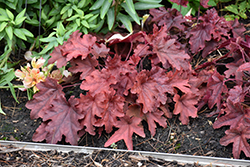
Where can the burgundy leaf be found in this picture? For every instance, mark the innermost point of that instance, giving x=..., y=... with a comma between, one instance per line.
x=85, y=66
x=185, y=106
x=98, y=81
x=64, y=116
x=217, y=86
x=92, y=107
x=153, y=117
x=145, y=87
x=168, y=50
x=200, y=34
x=204, y=3
x=50, y=90
x=75, y=46
x=237, y=136
x=127, y=126
x=99, y=50
x=235, y=115
x=114, y=109
x=180, y=2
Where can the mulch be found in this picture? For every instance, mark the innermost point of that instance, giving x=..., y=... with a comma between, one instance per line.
x=11, y=156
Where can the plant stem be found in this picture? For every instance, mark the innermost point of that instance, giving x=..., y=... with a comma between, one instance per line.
x=14, y=86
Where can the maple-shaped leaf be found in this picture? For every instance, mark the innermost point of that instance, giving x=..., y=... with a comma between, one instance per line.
x=238, y=29
x=98, y=81
x=125, y=83
x=127, y=126
x=156, y=116
x=204, y=3
x=217, y=86
x=142, y=50
x=64, y=116
x=168, y=50
x=234, y=70
x=236, y=95
x=147, y=92
x=117, y=67
x=170, y=17
x=92, y=107
x=85, y=66
x=199, y=35
x=99, y=50
x=160, y=77
x=49, y=90
x=75, y=46
x=237, y=136
x=177, y=81
x=40, y=133
x=57, y=56
x=185, y=106
x=235, y=115
x=114, y=109
x=180, y=2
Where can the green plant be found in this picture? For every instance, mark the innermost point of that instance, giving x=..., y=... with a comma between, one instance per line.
x=192, y=6
x=238, y=10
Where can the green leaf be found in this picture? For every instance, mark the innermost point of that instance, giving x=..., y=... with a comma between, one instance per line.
x=78, y=22
x=73, y=17
x=87, y=16
x=243, y=15
x=4, y=18
x=49, y=47
x=32, y=22
x=81, y=3
x=70, y=11
x=146, y=6
x=12, y=90
x=97, y=5
x=111, y=17
x=104, y=9
x=60, y=40
x=125, y=21
x=19, y=33
x=50, y=21
x=85, y=23
x=64, y=9
x=243, y=6
x=2, y=34
x=2, y=26
x=84, y=30
x=135, y=17
x=130, y=6
x=93, y=18
x=99, y=25
x=20, y=17
x=232, y=8
x=27, y=32
x=48, y=39
x=9, y=32
x=60, y=29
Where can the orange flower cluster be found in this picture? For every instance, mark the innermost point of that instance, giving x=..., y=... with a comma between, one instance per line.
x=32, y=76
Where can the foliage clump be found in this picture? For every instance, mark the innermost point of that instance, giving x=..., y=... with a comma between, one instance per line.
x=121, y=91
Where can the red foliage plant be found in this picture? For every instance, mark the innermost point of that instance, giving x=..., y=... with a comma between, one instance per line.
x=122, y=91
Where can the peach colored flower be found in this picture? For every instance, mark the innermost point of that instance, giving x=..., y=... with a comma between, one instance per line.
x=30, y=77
